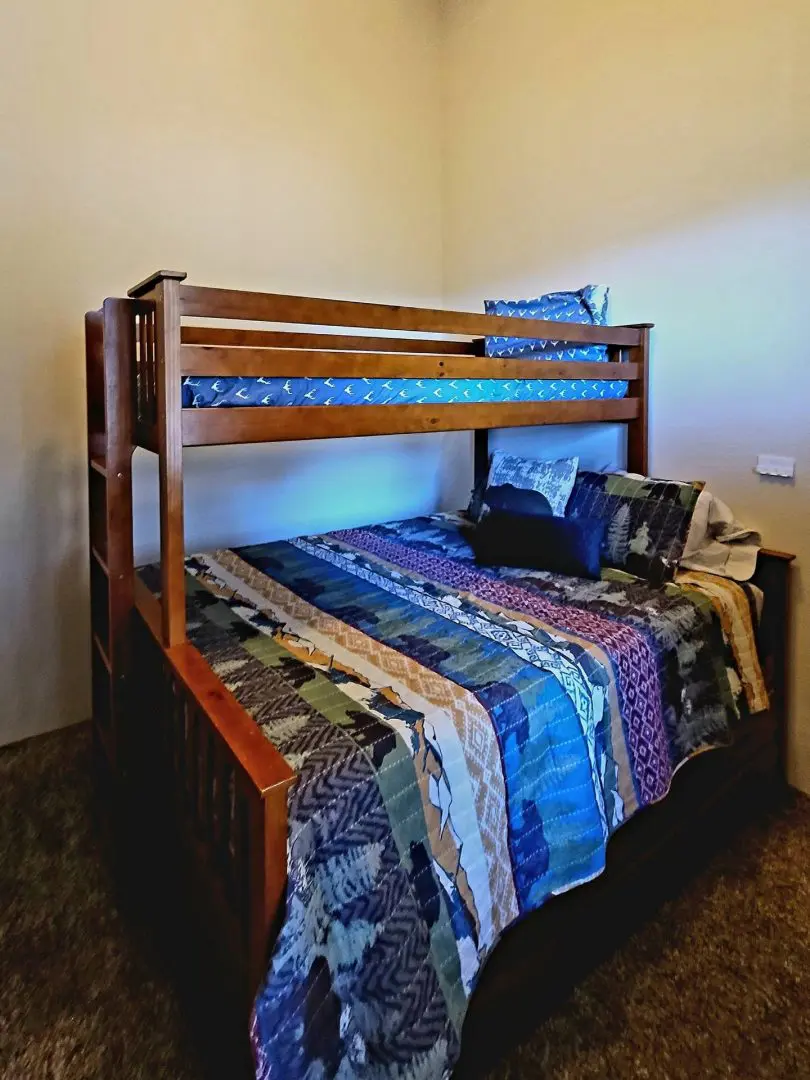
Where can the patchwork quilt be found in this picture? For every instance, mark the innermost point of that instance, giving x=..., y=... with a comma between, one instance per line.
x=466, y=740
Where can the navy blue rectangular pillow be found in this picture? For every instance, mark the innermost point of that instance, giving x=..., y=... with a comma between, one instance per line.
x=562, y=545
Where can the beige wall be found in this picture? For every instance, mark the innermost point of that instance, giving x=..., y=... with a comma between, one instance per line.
x=663, y=148
x=261, y=143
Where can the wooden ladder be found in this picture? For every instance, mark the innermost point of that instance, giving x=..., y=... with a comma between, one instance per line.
x=110, y=344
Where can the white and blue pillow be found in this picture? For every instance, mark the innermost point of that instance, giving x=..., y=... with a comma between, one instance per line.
x=527, y=485
x=588, y=306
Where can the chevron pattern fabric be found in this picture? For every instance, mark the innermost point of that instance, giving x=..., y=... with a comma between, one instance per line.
x=465, y=741
x=588, y=305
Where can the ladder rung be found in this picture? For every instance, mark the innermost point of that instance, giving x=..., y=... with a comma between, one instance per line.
x=100, y=560
x=98, y=464
x=102, y=652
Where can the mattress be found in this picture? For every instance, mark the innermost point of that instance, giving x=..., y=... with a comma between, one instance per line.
x=466, y=740
x=209, y=392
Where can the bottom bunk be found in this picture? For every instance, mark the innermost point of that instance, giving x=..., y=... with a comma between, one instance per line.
x=465, y=744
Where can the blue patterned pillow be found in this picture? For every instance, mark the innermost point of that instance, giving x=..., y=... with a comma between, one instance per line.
x=588, y=305
x=552, y=481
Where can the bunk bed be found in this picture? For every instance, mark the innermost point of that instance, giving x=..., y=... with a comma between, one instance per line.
x=178, y=754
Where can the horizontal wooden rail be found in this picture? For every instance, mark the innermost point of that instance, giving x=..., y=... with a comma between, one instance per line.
x=207, y=303
x=202, y=427
x=247, y=362
x=296, y=339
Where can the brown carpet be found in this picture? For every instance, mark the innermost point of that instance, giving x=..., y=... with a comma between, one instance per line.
x=717, y=985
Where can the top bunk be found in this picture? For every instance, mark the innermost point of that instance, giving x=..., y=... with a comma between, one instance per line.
x=360, y=369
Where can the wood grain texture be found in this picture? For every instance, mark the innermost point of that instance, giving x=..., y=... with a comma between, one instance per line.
x=268, y=877
x=638, y=433
x=213, y=360
x=203, y=427
x=119, y=348
x=273, y=307
x=149, y=284
x=110, y=366
x=292, y=339
x=170, y=461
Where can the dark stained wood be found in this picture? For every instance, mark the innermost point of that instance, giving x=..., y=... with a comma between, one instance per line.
x=773, y=575
x=638, y=441
x=203, y=427
x=772, y=553
x=110, y=362
x=291, y=339
x=268, y=877
x=250, y=363
x=149, y=284
x=480, y=456
x=170, y=459
x=147, y=437
x=272, y=307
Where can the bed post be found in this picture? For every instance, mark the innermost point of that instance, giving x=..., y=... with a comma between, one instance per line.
x=480, y=456
x=638, y=452
x=163, y=289
x=110, y=351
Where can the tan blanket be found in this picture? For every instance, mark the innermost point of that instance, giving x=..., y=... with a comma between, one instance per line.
x=731, y=602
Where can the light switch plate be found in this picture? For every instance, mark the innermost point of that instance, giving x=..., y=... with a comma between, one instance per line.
x=773, y=465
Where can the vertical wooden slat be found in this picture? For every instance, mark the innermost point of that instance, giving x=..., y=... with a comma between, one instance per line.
x=638, y=443
x=268, y=877
x=481, y=456
x=110, y=335
x=119, y=348
x=205, y=780
x=170, y=446
x=192, y=751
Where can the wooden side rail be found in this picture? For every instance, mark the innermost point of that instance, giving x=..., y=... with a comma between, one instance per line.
x=250, y=363
x=292, y=339
x=207, y=303
x=207, y=427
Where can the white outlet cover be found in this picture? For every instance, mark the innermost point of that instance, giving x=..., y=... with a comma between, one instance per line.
x=774, y=465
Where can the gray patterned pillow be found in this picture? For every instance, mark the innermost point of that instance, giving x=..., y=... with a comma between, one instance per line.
x=554, y=480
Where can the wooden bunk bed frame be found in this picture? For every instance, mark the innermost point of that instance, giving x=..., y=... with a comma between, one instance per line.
x=178, y=755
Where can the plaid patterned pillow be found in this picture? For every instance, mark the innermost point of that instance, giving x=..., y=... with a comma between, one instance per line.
x=648, y=520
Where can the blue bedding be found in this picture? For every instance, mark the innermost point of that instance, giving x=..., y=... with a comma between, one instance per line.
x=210, y=392
x=465, y=741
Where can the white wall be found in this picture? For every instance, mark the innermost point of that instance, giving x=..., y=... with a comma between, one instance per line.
x=662, y=148
x=267, y=144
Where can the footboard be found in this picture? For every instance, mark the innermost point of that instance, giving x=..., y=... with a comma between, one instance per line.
x=217, y=791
